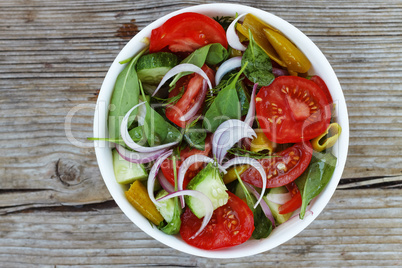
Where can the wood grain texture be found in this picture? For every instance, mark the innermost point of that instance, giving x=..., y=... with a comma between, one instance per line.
x=54, y=55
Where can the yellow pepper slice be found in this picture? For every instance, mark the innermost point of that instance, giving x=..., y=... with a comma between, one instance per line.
x=256, y=27
x=328, y=138
x=138, y=196
x=261, y=143
x=294, y=59
x=231, y=173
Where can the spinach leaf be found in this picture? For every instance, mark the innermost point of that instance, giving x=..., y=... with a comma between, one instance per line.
x=259, y=69
x=195, y=136
x=125, y=96
x=157, y=129
x=211, y=54
x=262, y=225
x=242, y=91
x=226, y=105
x=173, y=227
x=315, y=178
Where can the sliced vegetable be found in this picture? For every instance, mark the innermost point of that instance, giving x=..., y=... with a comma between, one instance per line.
x=164, y=183
x=293, y=58
x=137, y=157
x=282, y=169
x=138, y=197
x=232, y=37
x=230, y=225
x=251, y=111
x=292, y=109
x=262, y=144
x=315, y=178
x=226, y=67
x=328, y=138
x=294, y=203
x=274, y=207
x=125, y=171
x=186, y=32
x=151, y=68
x=231, y=173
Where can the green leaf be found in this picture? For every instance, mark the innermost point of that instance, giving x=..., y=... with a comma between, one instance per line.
x=211, y=54
x=225, y=106
x=125, y=96
x=195, y=136
x=315, y=178
x=259, y=68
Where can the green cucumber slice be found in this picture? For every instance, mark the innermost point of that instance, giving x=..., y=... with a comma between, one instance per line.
x=152, y=67
x=127, y=172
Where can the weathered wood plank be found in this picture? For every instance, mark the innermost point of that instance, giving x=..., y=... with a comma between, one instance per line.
x=357, y=228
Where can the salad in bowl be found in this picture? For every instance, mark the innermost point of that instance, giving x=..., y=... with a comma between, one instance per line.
x=221, y=130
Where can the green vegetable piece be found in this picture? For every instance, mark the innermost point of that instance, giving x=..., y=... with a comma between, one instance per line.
x=127, y=172
x=152, y=67
x=209, y=182
x=211, y=54
x=259, y=68
x=315, y=178
x=125, y=96
x=279, y=218
x=195, y=136
x=225, y=106
x=166, y=207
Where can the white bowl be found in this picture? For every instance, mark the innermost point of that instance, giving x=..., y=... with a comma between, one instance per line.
x=284, y=232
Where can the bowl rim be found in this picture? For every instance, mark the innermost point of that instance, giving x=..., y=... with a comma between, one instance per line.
x=283, y=232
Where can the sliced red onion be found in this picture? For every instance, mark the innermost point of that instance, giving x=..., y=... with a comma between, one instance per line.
x=229, y=133
x=137, y=157
x=251, y=110
x=181, y=68
x=279, y=72
x=220, y=130
x=264, y=205
x=164, y=182
x=152, y=175
x=186, y=164
x=226, y=67
x=132, y=144
x=232, y=37
x=209, y=209
x=198, y=103
x=256, y=165
x=279, y=199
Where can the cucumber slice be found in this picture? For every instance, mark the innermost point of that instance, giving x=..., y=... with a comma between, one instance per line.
x=166, y=208
x=209, y=182
x=152, y=67
x=279, y=218
x=127, y=172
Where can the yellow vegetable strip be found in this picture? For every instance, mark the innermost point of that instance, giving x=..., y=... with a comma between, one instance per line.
x=328, y=138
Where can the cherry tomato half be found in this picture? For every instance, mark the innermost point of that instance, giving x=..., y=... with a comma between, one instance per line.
x=287, y=166
x=186, y=32
x=167, y=164
x=230, y=225
x=194, y=94
x=292, y=109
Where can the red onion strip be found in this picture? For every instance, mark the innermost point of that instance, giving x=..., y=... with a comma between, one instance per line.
x=226, y=67
x=264, y=205
x=152, y=175
x=251, y=110
x=209, y=209
x=132, y=144
x=187, y=163
x=137, y=157
x=256, y=165
x=164, y=183
x=234, y=131
x=198, y=103
x=184, y=67
x=232, y=37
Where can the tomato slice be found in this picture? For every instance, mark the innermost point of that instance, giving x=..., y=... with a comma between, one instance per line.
x=194, y=94
x=167, y=164
x=292, y=109
x=186, y=32
x=287, y=166
x=230, y=225
x=293, y=203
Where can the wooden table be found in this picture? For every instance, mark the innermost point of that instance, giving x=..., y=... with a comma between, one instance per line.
x=55, y=209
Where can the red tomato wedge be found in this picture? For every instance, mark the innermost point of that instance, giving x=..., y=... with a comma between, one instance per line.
x=195, y=91
x=292, y=109
x=230, y=225
x=283, y=169
x=187, y=32
x=167, y=165
x=318, y=80
x=293, y=203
